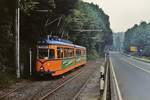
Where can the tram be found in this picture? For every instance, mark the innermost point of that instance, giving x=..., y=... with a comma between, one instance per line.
x=57, y=56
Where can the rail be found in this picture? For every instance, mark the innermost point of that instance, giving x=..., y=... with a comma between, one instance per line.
x=58, y=87
x=78, y=93
x=12, y=91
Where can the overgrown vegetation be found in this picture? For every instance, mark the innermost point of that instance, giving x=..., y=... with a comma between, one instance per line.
x=90, y=17
x=69, y=15
x=7, y=40
x=138, y=36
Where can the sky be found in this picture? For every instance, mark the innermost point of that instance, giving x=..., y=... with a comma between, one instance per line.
x=124, y=13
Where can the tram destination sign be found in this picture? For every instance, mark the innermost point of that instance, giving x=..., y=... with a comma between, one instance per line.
x=43, y=47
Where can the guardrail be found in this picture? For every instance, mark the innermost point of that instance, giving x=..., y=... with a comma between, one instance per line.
x=104, y=79
x=109, y=89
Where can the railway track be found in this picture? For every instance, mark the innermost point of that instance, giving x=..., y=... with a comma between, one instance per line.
x=63, y=85
x=49, y=92
x=7, y=95
x=12, y=91
x=78, y=93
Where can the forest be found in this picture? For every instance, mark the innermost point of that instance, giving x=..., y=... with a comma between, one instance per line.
x=138, y=36
x=50, y=17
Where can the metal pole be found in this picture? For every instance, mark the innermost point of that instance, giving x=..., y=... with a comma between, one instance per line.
x=105, y=57
x=18, y=39
x=30, y=52
x=59, y=21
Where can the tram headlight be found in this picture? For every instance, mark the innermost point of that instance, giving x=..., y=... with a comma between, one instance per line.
x=41, y=68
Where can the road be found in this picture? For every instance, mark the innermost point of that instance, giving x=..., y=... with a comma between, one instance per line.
x=133, y=77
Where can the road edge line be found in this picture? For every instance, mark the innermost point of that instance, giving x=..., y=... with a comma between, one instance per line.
x=115, y=79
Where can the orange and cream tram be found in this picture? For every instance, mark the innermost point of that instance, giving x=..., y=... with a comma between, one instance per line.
x=56, y=56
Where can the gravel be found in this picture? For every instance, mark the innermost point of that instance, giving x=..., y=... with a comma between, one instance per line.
x=91, y=90
x=33, y=90
x=72, y=88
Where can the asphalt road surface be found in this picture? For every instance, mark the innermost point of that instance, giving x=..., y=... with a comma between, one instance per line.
x=133, y=77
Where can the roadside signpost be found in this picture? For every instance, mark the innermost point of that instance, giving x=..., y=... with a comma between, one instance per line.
x=133, y=49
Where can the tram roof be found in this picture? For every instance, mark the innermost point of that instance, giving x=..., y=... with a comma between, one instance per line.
x=77, y=46
x=58, y=41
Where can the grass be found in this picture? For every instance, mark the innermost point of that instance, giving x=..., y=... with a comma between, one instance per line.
x=143, y=58
x=146, y=58
x=93, y=55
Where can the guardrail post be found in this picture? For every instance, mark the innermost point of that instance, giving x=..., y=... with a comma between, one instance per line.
x=102, y=76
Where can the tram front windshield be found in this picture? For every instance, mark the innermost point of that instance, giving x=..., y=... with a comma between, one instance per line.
x=43, y=53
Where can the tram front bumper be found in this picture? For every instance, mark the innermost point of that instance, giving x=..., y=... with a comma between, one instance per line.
x=45, y=73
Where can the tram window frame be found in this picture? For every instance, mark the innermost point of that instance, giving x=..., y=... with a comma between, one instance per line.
x=37, y=53
x=52, y=57
x=60, y=56
x=84, y=52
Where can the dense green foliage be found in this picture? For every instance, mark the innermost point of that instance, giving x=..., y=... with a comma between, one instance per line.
x=7, y=20
x=90, y=17
x=138, y=36
x=7, y=41
x=118, y=39
x=74, y=14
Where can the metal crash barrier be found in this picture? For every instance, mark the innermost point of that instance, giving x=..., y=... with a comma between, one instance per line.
x=109, y=89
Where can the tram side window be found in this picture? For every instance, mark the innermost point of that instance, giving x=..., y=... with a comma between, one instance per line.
x=43, y=53
x=59, y=52
x=78, y=52
x=84, y=53
x=51, y=54
x=71, y=53
x=66, y=53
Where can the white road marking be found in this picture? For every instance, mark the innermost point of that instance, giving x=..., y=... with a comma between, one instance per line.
x=133, y=59
x=115, y=79
x=136, y=66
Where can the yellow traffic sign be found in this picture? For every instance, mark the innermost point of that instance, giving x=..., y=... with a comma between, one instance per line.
x=133, y=49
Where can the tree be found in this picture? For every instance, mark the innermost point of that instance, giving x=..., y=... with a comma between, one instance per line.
x=89, y=16
x=74, y=14
x=138, y=36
